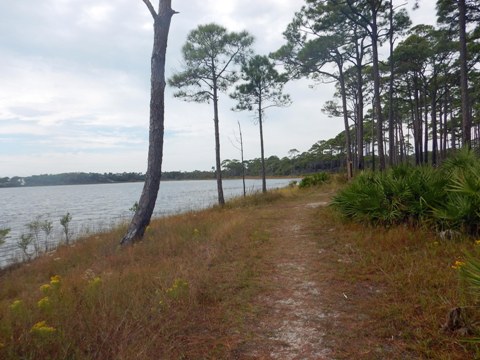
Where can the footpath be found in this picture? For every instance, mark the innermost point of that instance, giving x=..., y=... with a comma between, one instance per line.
x=307, y=311
x=292, y=316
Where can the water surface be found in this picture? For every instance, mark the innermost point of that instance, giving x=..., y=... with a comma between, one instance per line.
x=99, y=207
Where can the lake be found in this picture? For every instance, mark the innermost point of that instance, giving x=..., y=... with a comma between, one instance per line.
x=97, y=208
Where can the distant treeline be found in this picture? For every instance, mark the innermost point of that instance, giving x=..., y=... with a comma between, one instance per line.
x=325, y=155
x=296, y=165
x=70, y=179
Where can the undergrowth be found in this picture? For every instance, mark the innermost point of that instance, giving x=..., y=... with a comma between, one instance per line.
x=314, y=180
x=446, y=199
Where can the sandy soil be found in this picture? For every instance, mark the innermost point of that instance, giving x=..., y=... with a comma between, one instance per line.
x=291, y=323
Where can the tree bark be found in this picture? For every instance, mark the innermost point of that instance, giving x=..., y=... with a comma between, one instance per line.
x=262, y=152
x=243, y=161
x=146, y=204
x=221, y=199
x=376, y=88
x=466, y=117
x=434, y=121
x=391, y=131
x=445, y=123
x=425, y=143
x=345, y=121
x=359, y=67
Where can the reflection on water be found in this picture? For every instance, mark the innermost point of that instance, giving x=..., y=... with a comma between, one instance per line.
x=96, y=208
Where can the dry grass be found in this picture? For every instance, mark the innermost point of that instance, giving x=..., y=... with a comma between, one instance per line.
x=188, y=289
x=398, y=287
x=181, y=293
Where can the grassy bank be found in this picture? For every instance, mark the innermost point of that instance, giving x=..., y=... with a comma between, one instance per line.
x=182, y=292
x=394, y=289
x=189, y=289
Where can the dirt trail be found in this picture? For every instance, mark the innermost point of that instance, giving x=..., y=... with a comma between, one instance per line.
x=291, y=324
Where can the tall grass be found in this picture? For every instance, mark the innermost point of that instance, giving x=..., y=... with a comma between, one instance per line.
x=181, y=293
x=447, y=198
x=400, y=286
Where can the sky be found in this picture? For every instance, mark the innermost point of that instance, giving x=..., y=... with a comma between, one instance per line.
x=75, y=87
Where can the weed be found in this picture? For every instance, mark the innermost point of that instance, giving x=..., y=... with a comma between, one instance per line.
x=4, y=235
x=65, y=222
x=24, y=244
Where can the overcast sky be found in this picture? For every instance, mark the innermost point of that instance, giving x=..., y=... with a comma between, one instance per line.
x=74, y=87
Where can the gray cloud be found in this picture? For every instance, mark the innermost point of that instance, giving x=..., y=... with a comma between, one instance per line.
x=75, y=86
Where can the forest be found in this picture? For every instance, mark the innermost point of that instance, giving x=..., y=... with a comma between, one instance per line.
x=406, y=94
x=413, y=104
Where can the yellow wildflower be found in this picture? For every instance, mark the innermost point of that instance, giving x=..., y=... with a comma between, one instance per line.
x=41, y=328
x=55, y=281
x=45, y=288
x=44, y=303
x=16, y=305
x=477, y=242
x=96, y=281
x=458, y=264
x=178, y=289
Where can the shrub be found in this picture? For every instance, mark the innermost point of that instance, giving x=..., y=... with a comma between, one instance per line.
x=398, y=195
x=314, y=180
x=3, y=235
x=445, y=199
x=460, y=209
x=65, y=222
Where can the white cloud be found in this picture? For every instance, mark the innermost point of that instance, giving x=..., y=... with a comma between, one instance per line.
x=54, y=92
x=78, y=161
x=96, y=15
x=75, y=86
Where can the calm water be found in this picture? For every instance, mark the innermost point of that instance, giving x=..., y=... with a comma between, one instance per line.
x=96, y=208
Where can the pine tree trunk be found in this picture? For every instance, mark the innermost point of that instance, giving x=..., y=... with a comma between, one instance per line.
x=345, y=122
x=146, y=204
x=221, y=200
x=391, y=130
x=262, y=152
x=466, y=116
x=434, y=121
x=425, y=143
x=378, y=100
x=361, y=161
x=243, y=162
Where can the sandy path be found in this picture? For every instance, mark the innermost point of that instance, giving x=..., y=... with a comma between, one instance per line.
x=291, y=323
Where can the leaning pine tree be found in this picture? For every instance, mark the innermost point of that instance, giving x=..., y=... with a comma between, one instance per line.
x=146, y=204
